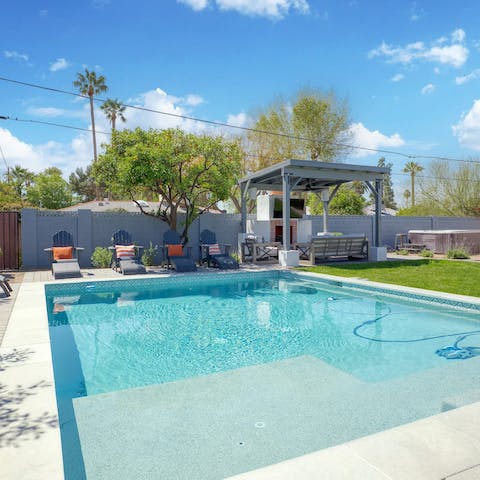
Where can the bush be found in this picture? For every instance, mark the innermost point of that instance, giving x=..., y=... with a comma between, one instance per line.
x=149, y=254
x=402, y=252
x=458, y=253
x=426, y=253
x=101, y=257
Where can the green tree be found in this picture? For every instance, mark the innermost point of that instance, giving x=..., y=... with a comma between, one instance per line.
x=89, y=84
x=311, y=125
x=20, y=179
x=190, y=173
x=113, y=110
x=50, y=190
x=345, y=202
x=453, y=190
x=412, y=168
x=9, y=199
x=406, y=196
x=83, y=184
x=388, y=198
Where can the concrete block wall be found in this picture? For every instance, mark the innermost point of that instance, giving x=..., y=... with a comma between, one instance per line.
x=92, y=229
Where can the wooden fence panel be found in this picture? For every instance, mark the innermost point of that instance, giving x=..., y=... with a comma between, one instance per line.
x=10, y=240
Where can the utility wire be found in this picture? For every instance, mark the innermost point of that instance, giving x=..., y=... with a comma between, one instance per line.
x=41, y=122
x=227, y=125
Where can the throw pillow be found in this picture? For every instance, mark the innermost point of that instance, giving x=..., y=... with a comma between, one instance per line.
x=62, y=253
x=124, y=252
x=175, y=250
x=214, y=249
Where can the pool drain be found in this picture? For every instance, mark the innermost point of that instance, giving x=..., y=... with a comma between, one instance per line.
x=259, y=425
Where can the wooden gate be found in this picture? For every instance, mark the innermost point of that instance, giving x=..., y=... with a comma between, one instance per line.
x=10, y=240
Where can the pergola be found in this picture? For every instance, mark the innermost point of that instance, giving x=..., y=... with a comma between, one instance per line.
x=312, y=176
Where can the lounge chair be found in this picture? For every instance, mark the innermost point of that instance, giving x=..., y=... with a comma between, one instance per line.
x=64, y=256
x=5, y=286
x=214, y=253
x=125, y=254
x=175, y=254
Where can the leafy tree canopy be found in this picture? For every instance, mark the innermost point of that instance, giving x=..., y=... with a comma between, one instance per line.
x=345, y=202
x=83, y=184
x=50, y=190
x=187, y=172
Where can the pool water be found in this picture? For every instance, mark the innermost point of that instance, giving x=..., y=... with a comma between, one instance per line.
x=109, y=337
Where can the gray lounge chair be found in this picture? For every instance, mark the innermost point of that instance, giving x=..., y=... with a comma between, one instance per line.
x=223, y=260
x=68, y=267
x=130, y=266
x=5, y=286
x=181, y=263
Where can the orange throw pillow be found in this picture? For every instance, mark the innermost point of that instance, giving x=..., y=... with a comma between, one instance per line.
x=62, y=253
x=175, y=250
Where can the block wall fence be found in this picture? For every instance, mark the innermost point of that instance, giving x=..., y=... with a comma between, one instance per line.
x=95, y=229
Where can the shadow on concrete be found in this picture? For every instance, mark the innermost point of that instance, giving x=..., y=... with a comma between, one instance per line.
x=16, y=424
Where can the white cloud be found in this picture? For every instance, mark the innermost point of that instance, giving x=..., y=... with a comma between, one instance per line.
x=274, y=9
x=427, y=89
x=416, y=13
x=193, y=100
x=197, y=5
x=458, y=35
x=466, y=78
x=46, y=111
x=59, y=64
x=361, y=136
x=398, y=77
x=15, y=55
x=436, y=71
x=455, y=54
x=67, y=157
x=239, y=120
x=467, y=130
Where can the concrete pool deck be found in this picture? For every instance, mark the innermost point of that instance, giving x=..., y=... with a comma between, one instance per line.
x=446, y=445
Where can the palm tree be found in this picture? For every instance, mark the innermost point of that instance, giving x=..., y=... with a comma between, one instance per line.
x=113, y=109
x=20, y=178
x=89, y=84
x=413, y=168
x=407, y=195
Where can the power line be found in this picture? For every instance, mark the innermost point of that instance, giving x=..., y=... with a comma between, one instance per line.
x=246, y=154
x=61, y=125
x=247, y=129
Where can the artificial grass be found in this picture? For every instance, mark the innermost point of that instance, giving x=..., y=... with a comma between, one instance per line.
x=458, y=277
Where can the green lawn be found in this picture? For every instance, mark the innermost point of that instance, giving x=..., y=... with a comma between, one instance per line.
x=442, y=275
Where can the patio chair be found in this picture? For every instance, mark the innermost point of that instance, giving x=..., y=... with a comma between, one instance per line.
x=214, y=253
x=64, y=256
x=5, y=286
x=175, y=254
x=125, y=254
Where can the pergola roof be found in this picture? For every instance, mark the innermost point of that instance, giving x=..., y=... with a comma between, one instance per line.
x=311, y=175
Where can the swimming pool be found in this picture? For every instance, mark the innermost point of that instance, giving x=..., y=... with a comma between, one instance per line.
x=241, y=370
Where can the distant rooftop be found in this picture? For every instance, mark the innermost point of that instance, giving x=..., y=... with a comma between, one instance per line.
x=129, y=206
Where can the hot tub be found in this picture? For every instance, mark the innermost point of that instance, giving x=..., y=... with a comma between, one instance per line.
x=441, y=241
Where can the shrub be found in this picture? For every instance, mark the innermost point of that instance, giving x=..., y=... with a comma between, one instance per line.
x=458, y=253
x=402, y=252
x=148, y=257
x=101, y=257
x=426, y=253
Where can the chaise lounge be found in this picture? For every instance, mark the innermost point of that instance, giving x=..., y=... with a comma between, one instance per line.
x=125, y=254
x=174, y=253
x=211, y=252
x=64, y=256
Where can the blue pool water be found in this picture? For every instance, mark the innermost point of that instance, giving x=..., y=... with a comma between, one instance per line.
x=113, y=336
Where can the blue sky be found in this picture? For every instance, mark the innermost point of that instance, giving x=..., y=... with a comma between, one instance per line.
x=409, y=70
